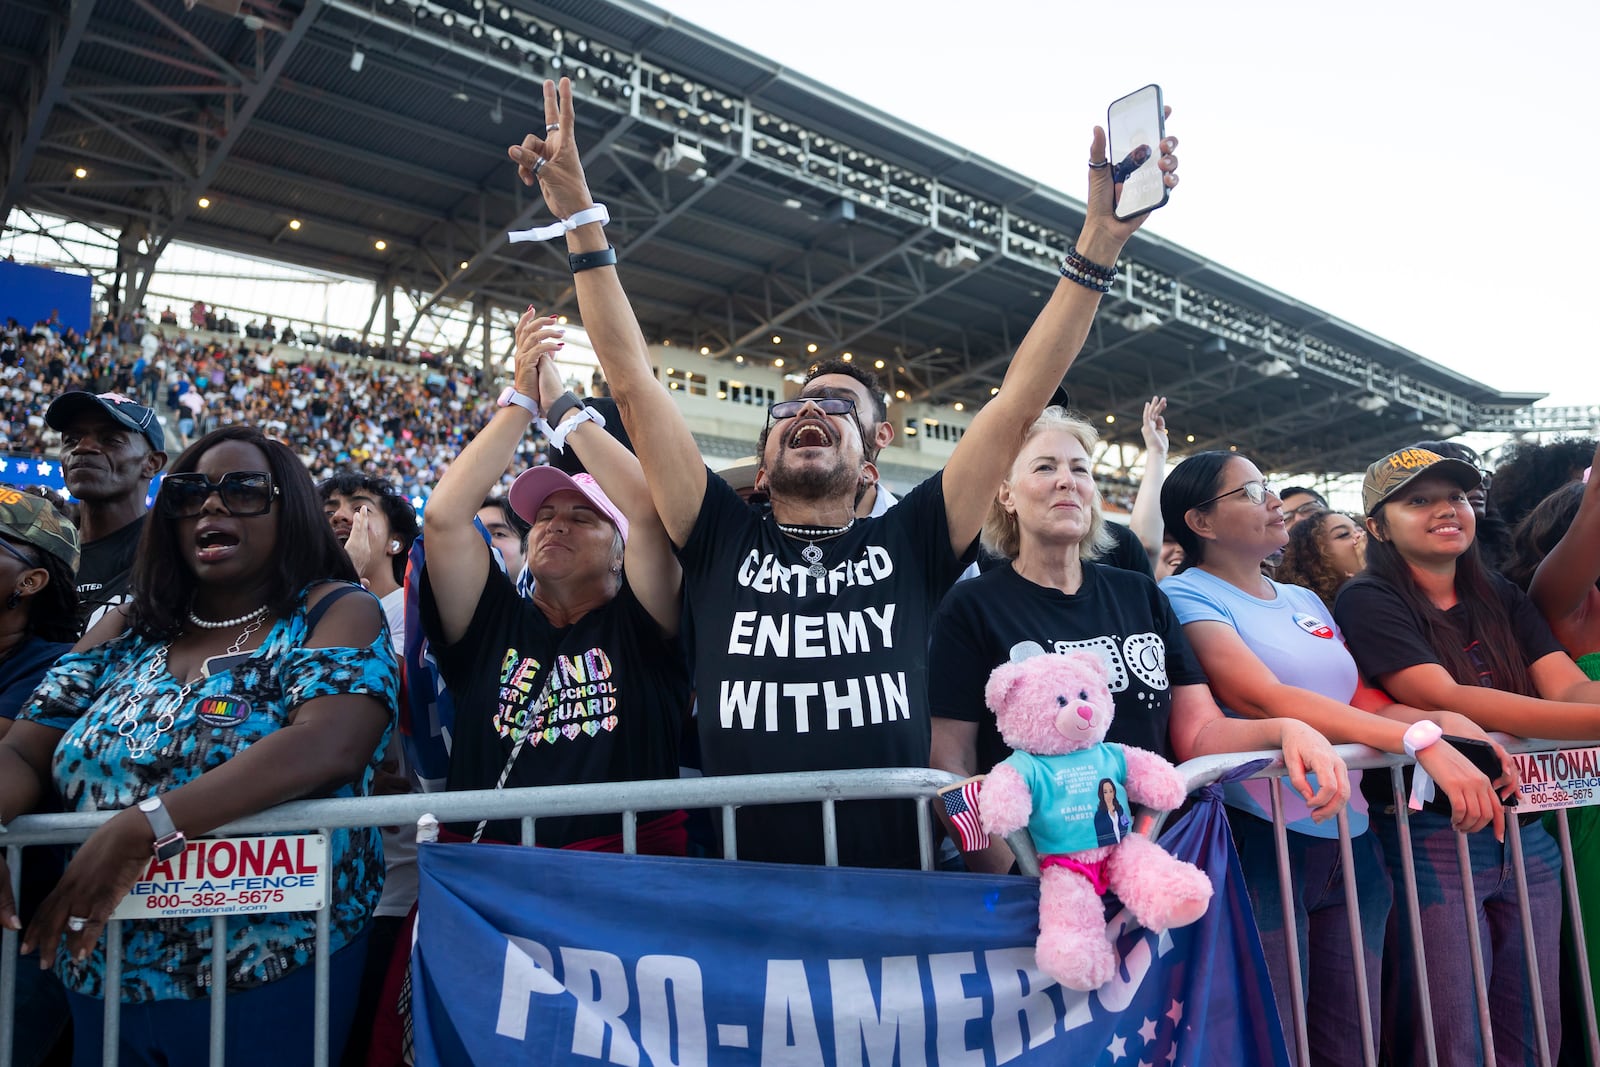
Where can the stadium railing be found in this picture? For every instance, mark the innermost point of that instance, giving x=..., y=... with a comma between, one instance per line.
x=728, y=794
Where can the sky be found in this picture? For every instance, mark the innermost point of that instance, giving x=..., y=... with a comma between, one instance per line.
x=1417, y=146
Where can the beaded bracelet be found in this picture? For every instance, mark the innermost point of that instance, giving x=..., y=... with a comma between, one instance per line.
x=1073, y=274
x=1085, y=265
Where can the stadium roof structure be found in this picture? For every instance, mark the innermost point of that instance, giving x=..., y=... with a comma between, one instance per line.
x=747, y=201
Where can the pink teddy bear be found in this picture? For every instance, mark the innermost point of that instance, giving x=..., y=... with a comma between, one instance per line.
x=1066, y=785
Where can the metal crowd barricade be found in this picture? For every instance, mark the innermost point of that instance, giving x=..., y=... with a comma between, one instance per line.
x=528, y=805
x=1206, y=770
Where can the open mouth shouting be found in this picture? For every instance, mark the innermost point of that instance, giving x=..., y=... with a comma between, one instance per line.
x=214, y=543
x=810, y=433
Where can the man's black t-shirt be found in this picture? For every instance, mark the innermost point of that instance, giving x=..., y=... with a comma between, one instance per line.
x=796, y=673
x=1116, y=614
x=104, y=570
x=602, y=700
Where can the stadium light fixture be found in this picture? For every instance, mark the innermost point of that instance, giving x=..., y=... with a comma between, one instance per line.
x=294, y=224
x=957, y=257
x=496, y=114
x=1143, y=319
x=449, y=19
x=357, y=57
x=1276, y=367
x=380, y=244
x=1372, y=403
x=80, y=173
x=204, y=201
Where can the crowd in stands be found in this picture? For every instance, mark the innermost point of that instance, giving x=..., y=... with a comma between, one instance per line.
x=401, y=424
x=243, y=643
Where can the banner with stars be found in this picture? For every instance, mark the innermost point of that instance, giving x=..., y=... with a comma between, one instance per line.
x=551, y=957
x=21, y=469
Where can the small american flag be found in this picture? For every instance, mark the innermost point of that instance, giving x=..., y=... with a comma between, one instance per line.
x=961, y=808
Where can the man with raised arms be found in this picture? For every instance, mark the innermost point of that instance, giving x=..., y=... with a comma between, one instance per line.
x=810, y=624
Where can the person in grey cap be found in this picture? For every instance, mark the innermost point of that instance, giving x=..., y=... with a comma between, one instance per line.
x=111, y=447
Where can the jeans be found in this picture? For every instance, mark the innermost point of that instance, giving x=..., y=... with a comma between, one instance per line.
x=1322, y=929
x=1450, y=990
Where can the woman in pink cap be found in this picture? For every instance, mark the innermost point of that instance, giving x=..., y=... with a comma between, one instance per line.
x=586, y=679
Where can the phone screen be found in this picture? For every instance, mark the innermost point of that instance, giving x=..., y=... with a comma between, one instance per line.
x=1135, y=126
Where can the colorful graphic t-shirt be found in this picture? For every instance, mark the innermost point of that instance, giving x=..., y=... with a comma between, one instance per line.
x=223, y=715
x=1069, y=807
x=802, y=673
x=602, y=700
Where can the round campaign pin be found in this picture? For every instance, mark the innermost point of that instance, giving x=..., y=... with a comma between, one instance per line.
x=1312, y=625
x=226, y=710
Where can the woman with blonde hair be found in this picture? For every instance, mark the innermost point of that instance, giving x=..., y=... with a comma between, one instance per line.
x=1046, y=521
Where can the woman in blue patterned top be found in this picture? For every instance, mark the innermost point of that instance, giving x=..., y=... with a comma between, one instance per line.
x=240, y=676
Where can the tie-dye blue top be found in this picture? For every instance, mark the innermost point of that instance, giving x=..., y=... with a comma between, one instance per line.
x=170, y=959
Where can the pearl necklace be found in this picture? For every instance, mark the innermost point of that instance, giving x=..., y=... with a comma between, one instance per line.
x=812, y=534
x=224, y=624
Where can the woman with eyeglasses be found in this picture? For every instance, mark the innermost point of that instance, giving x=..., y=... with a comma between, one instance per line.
x=1270, y=649
x=1325, y=550
x=1436, y=629
x=249, y=669
x=1047, y=521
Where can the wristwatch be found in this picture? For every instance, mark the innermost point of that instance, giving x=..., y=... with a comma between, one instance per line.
x=509, y=396
x=1423, y=733
x=169, y=839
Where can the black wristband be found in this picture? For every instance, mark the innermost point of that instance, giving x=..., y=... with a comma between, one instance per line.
x=578, y=261
x=563, y=404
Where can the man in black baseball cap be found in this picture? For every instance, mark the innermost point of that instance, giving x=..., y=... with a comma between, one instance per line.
x=111, y=447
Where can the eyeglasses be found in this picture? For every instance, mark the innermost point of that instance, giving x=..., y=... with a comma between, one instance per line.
x=1255, y=491
x=1304, y=509
x=9, y=547
x=243, y=493
x=828, y=405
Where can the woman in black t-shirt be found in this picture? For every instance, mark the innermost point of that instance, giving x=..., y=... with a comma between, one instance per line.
x=1437, y=630
x=1047, y=521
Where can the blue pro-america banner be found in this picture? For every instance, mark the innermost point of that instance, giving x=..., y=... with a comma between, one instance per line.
x=541, y=956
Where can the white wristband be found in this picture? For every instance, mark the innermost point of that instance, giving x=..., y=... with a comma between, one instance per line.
x=595, y=213
x=558, y=434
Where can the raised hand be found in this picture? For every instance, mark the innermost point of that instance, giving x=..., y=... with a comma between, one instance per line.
x=1103, y=233
x=552, y=159
x=1154, y=426
x=538, y=337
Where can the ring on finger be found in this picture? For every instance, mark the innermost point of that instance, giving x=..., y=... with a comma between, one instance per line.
x=538, y=165
x=1102, y=165
x=552, y=127
x=75, y=924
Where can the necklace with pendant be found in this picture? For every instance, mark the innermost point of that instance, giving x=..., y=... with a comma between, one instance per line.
x=133, y=714
x=812, y=554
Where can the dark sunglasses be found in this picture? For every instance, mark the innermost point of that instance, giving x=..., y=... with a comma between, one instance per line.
x=243, y=493
x=1255, y=491
x=828, y=405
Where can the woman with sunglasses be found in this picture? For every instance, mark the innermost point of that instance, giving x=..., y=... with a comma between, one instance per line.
x=1270, y=650
x=1436, y=629
x=1325, y=550
x=1047, y=521
x=247, y=670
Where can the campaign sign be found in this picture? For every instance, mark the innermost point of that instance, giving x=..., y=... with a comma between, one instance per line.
x=1565, y=778
x=233, y=876
x=568, y=958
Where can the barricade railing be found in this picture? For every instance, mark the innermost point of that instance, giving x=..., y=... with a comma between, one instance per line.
x=1206, y=770
x=827, y=788
x=528, y=806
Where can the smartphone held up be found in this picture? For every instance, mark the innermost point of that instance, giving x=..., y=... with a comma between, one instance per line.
x=1135, y=126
